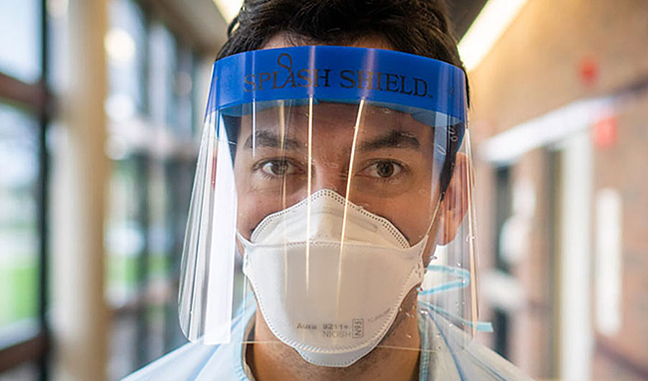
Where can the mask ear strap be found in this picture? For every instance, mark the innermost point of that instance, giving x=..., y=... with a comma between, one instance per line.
x=435, y=215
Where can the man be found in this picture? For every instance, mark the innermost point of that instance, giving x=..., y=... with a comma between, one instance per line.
x=336, y=168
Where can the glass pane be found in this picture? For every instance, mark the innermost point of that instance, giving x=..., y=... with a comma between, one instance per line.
x=178, y=183
x=24, y=372
x=126, y=49
x=159, y=232
x=202, y=71
x=125, y=237
x=183, y=93
x=57, y=49
x=20, y=40
x=123, y=347
x=158, y=287
x=162, y=69
x=18, y=216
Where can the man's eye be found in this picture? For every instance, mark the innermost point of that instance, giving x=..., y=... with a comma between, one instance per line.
x=278, y=168
x=383, y=169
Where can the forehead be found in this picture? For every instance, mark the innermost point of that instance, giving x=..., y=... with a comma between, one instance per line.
x=334, y=118
x=285, y=40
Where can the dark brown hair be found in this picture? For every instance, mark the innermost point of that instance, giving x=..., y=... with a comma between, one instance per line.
x=412, y=26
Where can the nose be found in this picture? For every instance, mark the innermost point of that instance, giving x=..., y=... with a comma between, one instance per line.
x=329, y=176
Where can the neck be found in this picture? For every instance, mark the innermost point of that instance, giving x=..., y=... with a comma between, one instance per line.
x=396, y=358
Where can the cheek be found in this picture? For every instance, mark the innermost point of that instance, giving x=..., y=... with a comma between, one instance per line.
x=251, y=207
x=254, y=205
x=412, y=214
x=250, y=213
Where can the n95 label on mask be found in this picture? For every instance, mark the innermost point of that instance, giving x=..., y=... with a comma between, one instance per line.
x=355, y=330
x=358, y=328
x=343, y=331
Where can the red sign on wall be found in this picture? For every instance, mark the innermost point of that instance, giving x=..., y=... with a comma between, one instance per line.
x=606, y=132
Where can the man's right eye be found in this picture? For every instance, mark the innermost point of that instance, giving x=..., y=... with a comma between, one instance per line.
x=276, y=168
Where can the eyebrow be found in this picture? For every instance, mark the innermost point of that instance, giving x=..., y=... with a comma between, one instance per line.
x=394, y=139
x=269, y=139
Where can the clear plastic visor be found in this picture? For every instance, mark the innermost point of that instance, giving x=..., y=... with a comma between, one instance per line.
x=331, y=228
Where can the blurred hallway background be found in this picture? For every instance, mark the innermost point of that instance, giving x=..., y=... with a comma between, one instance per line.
x=101, y=106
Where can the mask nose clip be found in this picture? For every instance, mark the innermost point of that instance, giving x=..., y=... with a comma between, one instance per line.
x=329, y=177
x=326, y=216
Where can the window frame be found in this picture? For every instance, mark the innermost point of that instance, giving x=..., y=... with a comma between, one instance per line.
x=36, y=98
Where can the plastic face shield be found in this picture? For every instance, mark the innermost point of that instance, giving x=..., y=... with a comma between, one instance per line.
x=339, y=181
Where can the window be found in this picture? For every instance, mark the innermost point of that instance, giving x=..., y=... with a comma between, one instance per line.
x=20, y=39
x=153, y=145
x=19, y=236
x=23, y=209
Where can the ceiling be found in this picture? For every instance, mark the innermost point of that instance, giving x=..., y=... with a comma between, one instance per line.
x=463, y=13
x=200, y=22
x=197, y=21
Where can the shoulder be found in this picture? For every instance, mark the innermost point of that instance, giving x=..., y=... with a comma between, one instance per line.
x=197, y=361
x=182, y=364
x=473, y=361
x=483, y=361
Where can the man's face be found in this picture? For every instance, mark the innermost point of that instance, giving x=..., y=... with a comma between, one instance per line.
x=384, y=165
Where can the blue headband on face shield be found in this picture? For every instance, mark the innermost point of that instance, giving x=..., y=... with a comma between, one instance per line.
x=432, y=91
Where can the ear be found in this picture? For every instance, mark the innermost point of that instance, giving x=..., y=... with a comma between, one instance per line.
x=454, y=205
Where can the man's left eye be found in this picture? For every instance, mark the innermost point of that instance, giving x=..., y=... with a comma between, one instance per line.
x=382, y=169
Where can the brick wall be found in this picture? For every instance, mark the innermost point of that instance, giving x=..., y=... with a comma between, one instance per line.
x=556, y=53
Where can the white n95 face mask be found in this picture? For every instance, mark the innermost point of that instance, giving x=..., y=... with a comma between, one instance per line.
x=329, y=277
